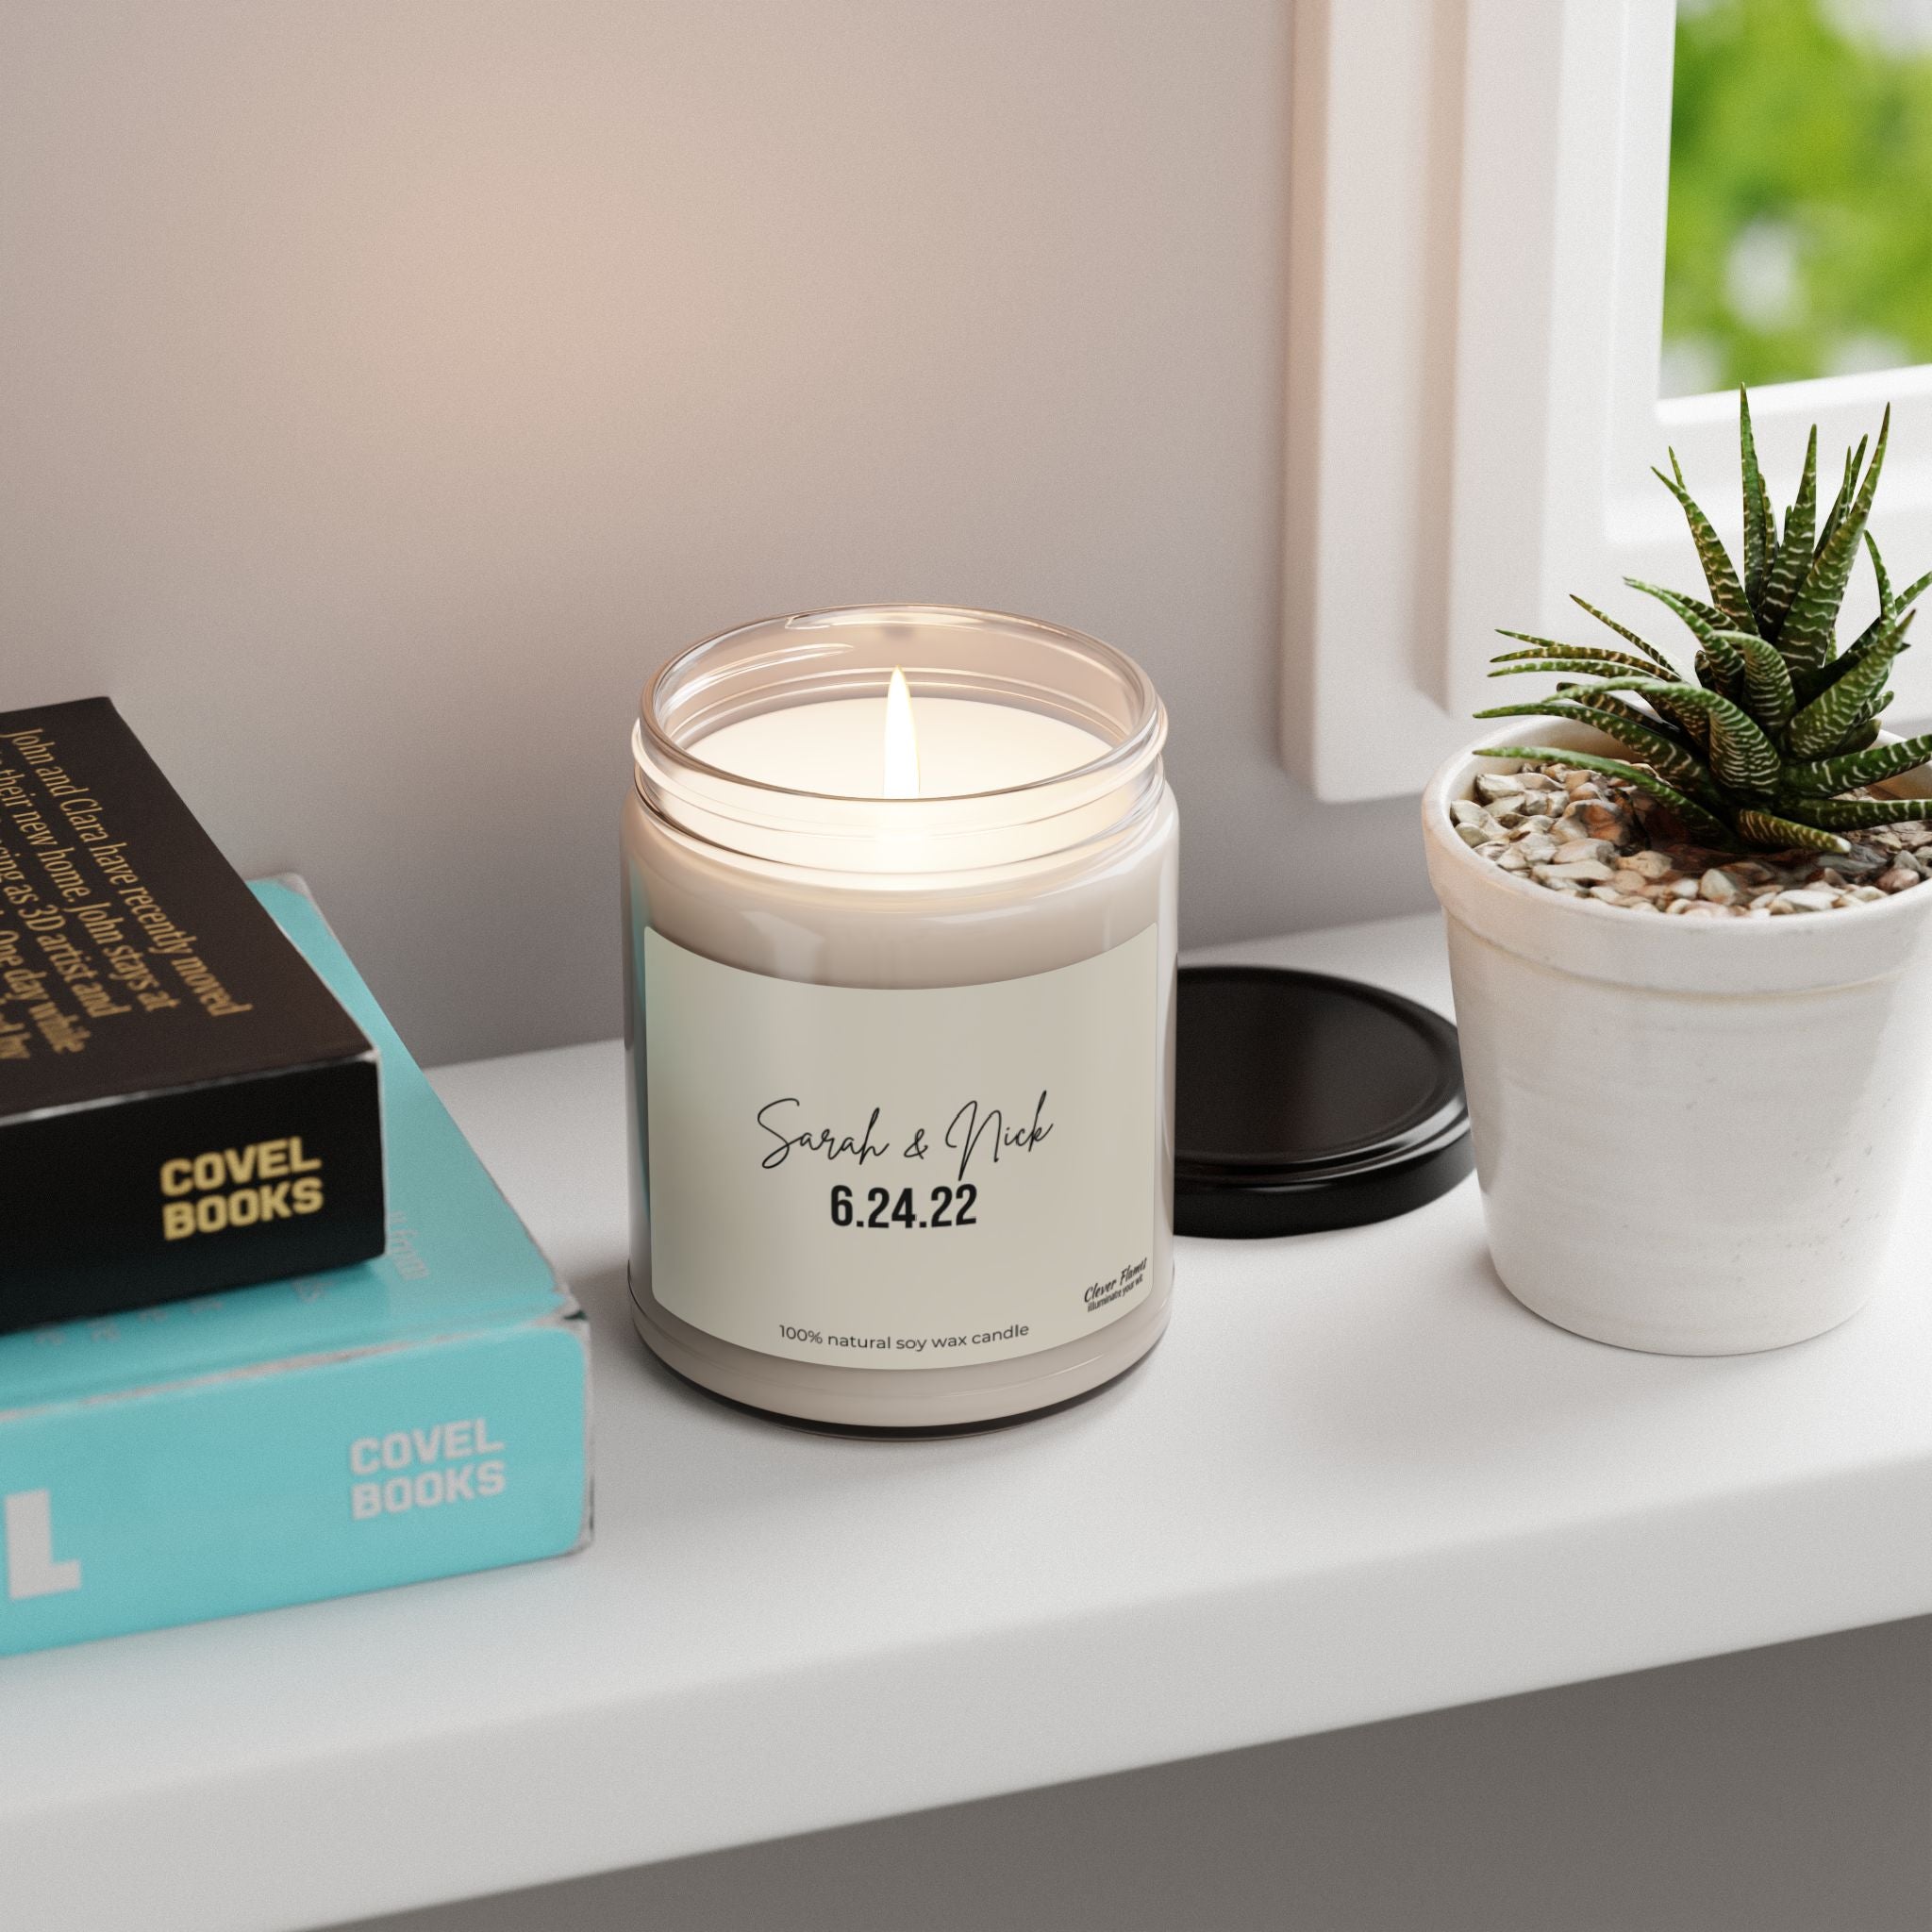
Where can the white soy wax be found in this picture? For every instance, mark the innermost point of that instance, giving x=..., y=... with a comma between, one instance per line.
x=900, y=955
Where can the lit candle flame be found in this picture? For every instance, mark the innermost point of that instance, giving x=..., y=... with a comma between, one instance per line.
x=902, y=741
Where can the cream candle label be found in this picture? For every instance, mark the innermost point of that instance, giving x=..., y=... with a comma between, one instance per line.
x=901, y=1178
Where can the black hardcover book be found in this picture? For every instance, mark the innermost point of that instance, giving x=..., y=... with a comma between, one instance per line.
x=184, y=1106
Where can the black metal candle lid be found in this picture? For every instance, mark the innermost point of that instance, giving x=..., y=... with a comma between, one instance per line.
x=1308, y=1102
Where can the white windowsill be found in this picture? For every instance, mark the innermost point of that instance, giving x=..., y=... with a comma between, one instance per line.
x=1355, y=1481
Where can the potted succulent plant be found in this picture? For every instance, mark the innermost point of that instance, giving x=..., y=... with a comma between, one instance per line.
x=1692, y=966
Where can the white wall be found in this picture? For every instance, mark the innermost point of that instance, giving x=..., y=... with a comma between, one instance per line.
x=386, y=390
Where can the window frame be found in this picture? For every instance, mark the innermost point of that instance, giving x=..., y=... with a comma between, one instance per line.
x=1477, y=205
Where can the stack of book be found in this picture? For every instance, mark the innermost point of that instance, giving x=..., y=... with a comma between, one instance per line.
x=197, y=1092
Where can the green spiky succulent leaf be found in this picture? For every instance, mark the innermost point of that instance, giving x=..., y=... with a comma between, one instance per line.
x=1761, y=530
x=1879, y=573
x=1793, y=556
x=1630, y=637
x=1726, y=592
x=1765, y=828
x=1854, y=460
x=1663, y=754
x=1516, y=663
x=1827, y=778
x=1845, y=703
x=1768, y=692
x=1861, y=735
x=1760, y=750
x=1904, y=599
x=1744, y=760
x=1806, y=636
x=1717, y=649
x=1696, y=820
x=1541, y=648
x=1849, y=814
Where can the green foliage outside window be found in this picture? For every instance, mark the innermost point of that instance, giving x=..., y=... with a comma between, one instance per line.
x=1801, y=190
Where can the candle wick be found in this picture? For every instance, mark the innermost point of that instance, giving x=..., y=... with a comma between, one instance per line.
x=902, y=740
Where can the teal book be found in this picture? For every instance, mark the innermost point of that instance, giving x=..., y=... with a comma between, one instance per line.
x=419, y=1415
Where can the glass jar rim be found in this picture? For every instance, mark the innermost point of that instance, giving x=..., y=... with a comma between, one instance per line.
x=1126, y=757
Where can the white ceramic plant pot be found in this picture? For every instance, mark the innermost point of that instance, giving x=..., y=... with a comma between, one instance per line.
x=1690, y=1134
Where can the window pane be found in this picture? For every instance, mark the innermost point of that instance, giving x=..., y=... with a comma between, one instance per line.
x=1801, y=192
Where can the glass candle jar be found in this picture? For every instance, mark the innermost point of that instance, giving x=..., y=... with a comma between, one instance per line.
x=899, y=923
